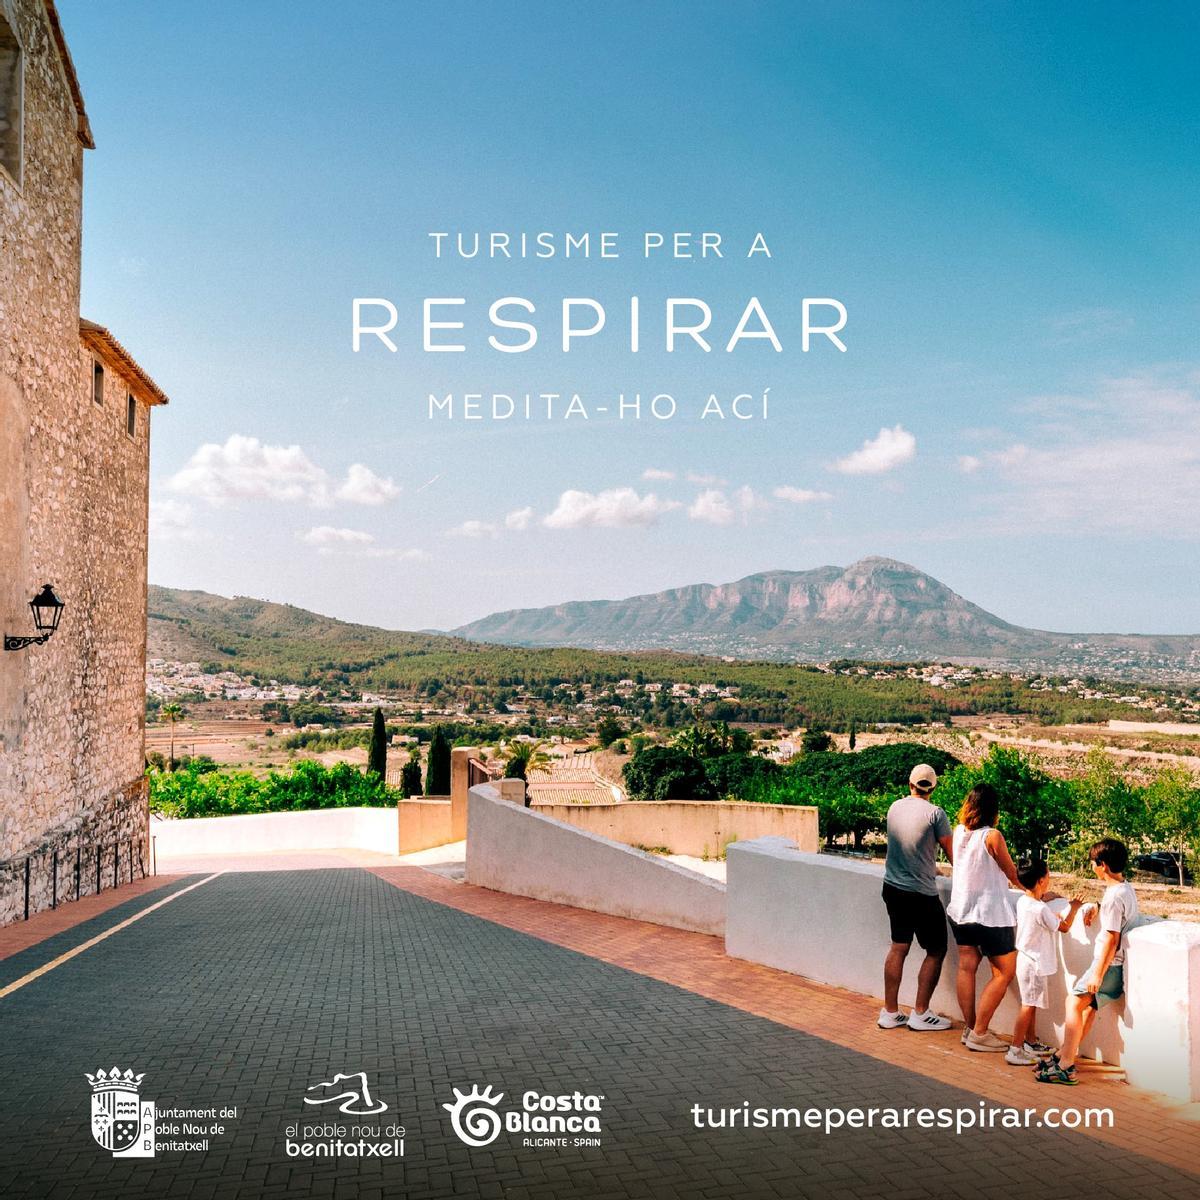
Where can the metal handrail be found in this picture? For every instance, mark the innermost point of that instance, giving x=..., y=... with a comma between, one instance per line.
x=135, y=851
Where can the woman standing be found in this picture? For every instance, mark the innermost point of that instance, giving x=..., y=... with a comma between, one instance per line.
x=981, y=914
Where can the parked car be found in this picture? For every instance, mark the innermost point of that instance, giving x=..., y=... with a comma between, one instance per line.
x=1162, y=862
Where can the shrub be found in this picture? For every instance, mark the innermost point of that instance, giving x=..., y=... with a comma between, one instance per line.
x=192, y=792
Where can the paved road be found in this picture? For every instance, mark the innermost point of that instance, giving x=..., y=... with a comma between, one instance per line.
x=254, y=987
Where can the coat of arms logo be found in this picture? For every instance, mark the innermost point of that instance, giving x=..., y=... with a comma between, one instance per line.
x=121, y=1120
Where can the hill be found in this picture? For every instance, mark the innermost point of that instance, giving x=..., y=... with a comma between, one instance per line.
x=261, y=640
x=877, y=609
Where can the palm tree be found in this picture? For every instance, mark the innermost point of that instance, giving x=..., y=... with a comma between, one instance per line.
x=171, y=713
x=524, y=757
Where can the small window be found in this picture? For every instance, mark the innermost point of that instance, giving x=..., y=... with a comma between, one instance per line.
x=130, y=416
x=12, y=88
x=97, y=381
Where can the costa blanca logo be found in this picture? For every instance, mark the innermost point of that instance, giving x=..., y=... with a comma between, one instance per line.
x=544, y=1120
x=474, y=1122
x=121, y=1120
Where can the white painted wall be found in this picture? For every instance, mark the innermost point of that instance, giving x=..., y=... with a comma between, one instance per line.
x=261, y=833
x=521, y=851
x=822, y=917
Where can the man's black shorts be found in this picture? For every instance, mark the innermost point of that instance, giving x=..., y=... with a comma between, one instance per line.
x=913, y=914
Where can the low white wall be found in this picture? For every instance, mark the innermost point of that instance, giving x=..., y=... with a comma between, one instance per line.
x=258, y=833
x=822, y=917
x=521, y=851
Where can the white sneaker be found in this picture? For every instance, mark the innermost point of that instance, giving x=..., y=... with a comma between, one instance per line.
x=892, y=1020
x=1039, y=1050
x=927, y=1022
x=1018, y=1056
x=966, y=1033
x=987, y=1043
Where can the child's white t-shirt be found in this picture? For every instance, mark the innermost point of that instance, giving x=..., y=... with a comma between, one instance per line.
x=1118, y=911
x=1037, y=923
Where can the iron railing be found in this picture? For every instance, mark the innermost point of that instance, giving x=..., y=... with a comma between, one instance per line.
x=73, y=872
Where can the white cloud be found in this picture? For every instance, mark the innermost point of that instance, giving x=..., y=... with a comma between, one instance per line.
x=518, y=519
x=614, y=508
x=968, y=464
x=355, y=543
x=327, y=535
x=795, y=495
x=714, y=507
x=473, y=529
x=878, y=454
x=1124, y=458
x=246, y=469
x=656, y=473
x=705, y=480
x=363, y=486
x=171, y=521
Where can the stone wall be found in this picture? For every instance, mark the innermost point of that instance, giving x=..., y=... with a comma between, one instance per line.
x=73, y=508
x=106, y=844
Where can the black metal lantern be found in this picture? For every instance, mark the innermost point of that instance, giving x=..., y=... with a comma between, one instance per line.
x=47, y=611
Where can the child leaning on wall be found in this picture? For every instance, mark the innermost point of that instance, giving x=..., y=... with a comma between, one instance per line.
x=1038, y=923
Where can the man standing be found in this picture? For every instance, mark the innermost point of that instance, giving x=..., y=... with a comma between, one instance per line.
x=915, y=829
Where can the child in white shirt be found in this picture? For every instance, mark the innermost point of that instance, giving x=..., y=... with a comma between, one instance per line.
x=1037, y=957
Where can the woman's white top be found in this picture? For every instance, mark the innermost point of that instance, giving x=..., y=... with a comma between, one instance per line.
x=979, y=889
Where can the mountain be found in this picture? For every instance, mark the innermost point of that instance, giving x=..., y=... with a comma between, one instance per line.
x=877, y=608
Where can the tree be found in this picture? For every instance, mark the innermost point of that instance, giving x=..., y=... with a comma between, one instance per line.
x=1037, y=811
x=853, y=734
x=1173, y=803
x=815, y=740
x=666, y=773
x=172, y=713
x=608, y=731
x=737, y=774
x=410, y=776
x=377, y=754
x=437, y=769
x=524, y=757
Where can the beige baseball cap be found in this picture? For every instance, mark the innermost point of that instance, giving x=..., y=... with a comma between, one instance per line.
x=923, y=778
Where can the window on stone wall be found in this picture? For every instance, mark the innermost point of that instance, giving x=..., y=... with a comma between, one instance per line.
x=11, y=99
x=97, y=381
x=130, y=415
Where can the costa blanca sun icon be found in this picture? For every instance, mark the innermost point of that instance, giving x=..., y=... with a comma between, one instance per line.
x=121, y=1120
x=473, y=1120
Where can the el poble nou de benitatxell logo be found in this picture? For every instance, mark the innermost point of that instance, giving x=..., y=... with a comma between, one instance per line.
x=546, y=1121
x=121, y=1120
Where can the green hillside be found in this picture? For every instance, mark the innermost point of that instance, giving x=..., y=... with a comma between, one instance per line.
x=275, y=641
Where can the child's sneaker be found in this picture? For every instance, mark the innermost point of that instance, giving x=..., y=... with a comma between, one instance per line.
x=1019, y=1056
x=927, y=1022
x=892, y=1020
x=1039, y=1050
x=1052, y=1072
x=987, y=1043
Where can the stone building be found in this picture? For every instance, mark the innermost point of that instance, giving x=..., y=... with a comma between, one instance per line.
x=74, y=462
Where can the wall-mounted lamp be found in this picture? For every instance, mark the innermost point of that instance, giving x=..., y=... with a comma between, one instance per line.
x=47, y=609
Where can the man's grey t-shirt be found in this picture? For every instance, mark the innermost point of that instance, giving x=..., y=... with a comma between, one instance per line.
x=913, y=829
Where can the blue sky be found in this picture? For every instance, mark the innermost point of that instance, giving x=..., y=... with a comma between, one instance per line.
x=1004, y=196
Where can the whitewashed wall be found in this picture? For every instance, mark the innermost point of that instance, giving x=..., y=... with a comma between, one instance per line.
x=518, y=850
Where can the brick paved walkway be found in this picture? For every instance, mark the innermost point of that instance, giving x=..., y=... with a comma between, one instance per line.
x=250, y=988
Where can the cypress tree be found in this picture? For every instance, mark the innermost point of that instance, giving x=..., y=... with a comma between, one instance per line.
x=377, y=755
x=437, y=770
x=853, y=734
x=410, y=777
